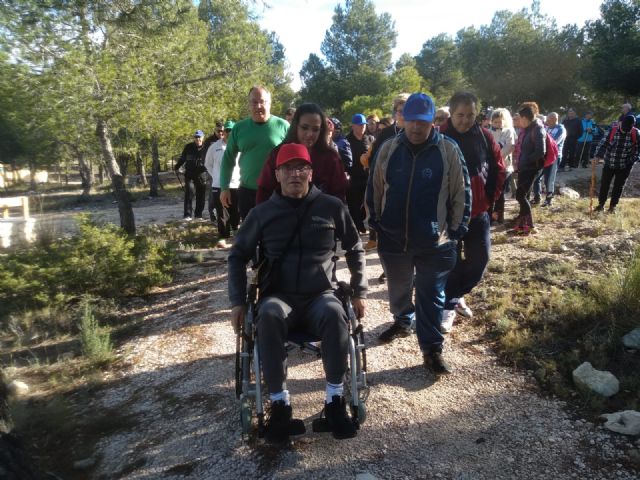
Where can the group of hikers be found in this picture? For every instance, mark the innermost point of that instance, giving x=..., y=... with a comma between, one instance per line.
x=427, y=186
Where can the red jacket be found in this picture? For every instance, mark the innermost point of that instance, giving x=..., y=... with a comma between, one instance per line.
x=484, y=163
x=328, y=174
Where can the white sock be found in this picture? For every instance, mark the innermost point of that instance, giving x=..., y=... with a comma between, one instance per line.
x=283, y=395
x=334, y=389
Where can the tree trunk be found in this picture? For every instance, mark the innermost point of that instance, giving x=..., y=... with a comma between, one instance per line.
x=101, y=173
x=86, y=174
x=155, y=167
x=127, y=220
x=140, y=168
x=33, y=185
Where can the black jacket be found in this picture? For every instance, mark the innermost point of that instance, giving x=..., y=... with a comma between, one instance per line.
x=359, y=147
x=307, y=267
x=193, y=160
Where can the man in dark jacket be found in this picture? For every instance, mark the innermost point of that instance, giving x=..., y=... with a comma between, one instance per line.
x=487, y=173
x=195, y=175
x=574, y=130
x=419, y=201
x=360, y=143
x=302, y=296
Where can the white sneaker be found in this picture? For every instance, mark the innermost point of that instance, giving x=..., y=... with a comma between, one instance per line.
x=447, y=321
x=222, y=244
x=463, y=309
x=187, y=219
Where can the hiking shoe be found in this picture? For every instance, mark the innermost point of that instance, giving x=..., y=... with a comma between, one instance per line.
x=394, y=331
x=599, y=208
x=339, y=421
x=461, y=308
x=535, y=201
x=280, y=423
x=611, y=210
x=371, y=245
x=547, y=201
x=382, y=278
x=448, y=316
x=434, y=362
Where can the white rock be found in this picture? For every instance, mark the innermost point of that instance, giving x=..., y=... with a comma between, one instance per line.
x=626, y=422
x=18, y=388
x=602, y=383
x=632, y=339
x=66, y=356
x=569, y=192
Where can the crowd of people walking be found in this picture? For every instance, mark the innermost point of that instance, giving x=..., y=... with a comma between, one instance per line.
x=426, y=183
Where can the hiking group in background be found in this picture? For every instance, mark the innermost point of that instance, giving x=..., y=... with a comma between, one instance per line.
x=426, y=183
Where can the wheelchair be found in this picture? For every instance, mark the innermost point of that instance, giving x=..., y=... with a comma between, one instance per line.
x=250, y=388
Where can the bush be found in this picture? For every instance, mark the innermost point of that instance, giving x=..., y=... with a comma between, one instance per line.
x=95, y=340
x=100, y=261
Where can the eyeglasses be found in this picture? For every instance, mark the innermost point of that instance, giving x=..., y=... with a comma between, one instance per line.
x=295, y=170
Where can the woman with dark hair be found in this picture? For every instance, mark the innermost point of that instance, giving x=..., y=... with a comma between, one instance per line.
x=530, y=163
x=309, y=128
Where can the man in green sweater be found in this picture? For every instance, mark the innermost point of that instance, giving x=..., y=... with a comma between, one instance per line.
x=253, y=138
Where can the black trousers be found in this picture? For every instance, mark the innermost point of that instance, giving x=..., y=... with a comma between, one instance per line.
x=619, y=178
x=246, y=201
x=355, y=202
x=194, y=185
x=525, y=182
x=569, y=152
x=227, y=218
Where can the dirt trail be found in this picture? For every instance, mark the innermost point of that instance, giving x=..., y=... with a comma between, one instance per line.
x=484, y=422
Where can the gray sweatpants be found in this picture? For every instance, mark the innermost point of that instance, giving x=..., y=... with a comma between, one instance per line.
x=322, y=316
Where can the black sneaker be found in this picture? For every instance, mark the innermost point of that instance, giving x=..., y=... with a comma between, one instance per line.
x=382, y=278
x=280, y=423
x=339, y=422
x=599, y=208
x=611, y=210
x=535, y=201
x=394, y=331
x=434, y=362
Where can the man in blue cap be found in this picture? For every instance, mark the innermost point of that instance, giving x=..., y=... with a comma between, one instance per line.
x=195, y=175
x=360, y=143
x=419, y=201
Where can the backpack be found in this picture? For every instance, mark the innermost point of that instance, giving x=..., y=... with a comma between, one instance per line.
x=551, y=153
x=634, y=135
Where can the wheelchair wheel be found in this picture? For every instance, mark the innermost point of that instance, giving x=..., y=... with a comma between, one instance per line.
x=362, y=412
x=245, y=415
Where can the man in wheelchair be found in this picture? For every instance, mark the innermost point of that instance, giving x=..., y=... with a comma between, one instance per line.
x=297, y=230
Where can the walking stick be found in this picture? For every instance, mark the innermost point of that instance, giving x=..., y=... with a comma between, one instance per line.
x=179, y=181
x=592, y=189
x=582, y=151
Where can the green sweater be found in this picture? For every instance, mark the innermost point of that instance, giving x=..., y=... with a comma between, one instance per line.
x=254, y=141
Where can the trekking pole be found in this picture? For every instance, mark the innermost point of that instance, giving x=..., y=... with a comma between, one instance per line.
x=582, y=151
x=179, y=181
x=592, y=189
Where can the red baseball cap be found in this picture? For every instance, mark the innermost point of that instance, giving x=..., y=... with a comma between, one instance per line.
x=292, y=151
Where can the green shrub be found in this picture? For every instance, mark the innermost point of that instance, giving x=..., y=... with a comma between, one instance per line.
x=100, y=261
x=95, y=340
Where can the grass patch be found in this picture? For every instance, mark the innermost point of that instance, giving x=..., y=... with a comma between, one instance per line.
x=553, y=325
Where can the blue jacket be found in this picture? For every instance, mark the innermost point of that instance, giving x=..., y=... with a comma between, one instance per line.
x=587, y=136
x=418, y=200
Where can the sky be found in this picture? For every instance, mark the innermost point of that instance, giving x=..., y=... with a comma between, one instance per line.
x=301, y=24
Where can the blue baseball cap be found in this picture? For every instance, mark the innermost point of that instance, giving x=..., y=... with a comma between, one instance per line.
x=199, y=133
x=419, y=106
x=358, y=119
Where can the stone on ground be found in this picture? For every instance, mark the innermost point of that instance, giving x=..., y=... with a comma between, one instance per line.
x=597, y=381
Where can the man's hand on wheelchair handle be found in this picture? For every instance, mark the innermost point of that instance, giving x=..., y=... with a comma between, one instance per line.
x=237, y=317
x=358, y=306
